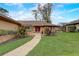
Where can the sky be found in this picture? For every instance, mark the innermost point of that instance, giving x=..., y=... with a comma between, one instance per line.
x=61, y=12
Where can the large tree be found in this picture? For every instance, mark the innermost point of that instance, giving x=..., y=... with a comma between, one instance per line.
x=3, y=11
x=35, y=13
x=45, y=11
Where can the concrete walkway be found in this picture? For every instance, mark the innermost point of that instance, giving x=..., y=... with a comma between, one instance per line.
x=26, y=48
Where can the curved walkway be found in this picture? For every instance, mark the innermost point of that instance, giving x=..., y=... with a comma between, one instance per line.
x=26, y=48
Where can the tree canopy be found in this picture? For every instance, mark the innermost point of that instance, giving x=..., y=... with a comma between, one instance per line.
x=2, y=10
x=45, y=12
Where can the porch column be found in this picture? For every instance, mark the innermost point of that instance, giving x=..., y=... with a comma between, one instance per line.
x=67, y=29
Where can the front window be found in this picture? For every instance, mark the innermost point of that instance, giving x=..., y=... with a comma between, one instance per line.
x=29, y=28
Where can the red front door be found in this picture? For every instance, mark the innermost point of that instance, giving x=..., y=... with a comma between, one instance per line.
x=37, y=29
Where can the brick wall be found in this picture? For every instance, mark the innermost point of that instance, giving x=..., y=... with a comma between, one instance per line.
x=8, y=26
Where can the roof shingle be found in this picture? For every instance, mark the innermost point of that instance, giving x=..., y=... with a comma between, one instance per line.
x=36, y=23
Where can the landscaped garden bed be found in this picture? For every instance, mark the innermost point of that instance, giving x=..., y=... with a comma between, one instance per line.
x=5, y=32
x=63, y=44
x=4, y=38
x=6, y=35
x=4, y=48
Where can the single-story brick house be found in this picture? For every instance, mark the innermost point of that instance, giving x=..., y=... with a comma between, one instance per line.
x=39, y=26
x=7, y=23
x=73, y=23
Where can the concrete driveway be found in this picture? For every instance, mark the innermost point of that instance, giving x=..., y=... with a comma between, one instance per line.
x=26, y=48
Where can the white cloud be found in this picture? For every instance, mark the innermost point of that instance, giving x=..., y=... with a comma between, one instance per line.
x=13, y=4
x=59, y=5
x=34, y=8
x=60, y=17
x=57, y=18
x=22, y=13
x=26, y=14
x=73, y=10
x=57, y=12
x=19, y=6
x=42, y=4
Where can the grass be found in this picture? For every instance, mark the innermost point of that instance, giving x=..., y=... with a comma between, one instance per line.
x=4, y=48
x=63, y=44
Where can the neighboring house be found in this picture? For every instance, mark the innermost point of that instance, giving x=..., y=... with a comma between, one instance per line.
x=7, y=23
x=74, y=24
x=39, y=26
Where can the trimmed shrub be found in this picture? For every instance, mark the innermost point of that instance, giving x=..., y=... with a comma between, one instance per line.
x=49, y=32
x=21, y=32
x=77, y=30
x=72, y=28
x=5, y=32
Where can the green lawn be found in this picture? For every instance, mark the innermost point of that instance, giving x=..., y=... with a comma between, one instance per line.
x=4, y=48
x=63, y=44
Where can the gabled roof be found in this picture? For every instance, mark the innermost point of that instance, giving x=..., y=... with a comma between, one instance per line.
x=36, y=23
x=73, y=22
x=8, y=19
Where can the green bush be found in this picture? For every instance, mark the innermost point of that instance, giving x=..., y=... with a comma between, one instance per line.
x=72, y=28
x=49, y=32
x=21, y=32
x=77, y=30
x=5, y=32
